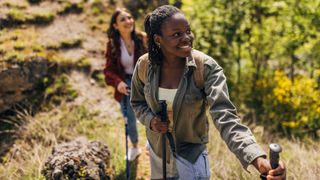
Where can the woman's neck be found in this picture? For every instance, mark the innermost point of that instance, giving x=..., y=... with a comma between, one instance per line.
x=173, y=62
x=126, y=37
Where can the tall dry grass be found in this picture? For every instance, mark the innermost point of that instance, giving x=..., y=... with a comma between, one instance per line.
x=302, y=159
x=45, y=130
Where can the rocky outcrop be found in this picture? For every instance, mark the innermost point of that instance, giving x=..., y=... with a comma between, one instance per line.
x=18, y=81
x=78, y=159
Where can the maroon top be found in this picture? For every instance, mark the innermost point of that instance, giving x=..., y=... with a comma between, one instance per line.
x=114, y=70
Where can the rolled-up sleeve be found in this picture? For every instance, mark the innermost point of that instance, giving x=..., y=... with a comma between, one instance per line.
x=138, y=101
x=238, y=137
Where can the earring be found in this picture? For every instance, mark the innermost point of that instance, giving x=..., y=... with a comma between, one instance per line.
x=158, y=44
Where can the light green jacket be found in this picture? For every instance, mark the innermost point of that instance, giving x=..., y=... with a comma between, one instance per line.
x=190, y=123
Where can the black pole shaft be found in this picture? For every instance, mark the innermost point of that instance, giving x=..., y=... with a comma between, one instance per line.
x=163, y=116
x=127, y=158
x=126, y=133
x=164, y=157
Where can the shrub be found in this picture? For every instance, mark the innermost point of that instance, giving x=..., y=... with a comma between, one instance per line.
x=42, y=18
x=291, y=107
x=71, y=8
x=60, y=90
x=16, y=16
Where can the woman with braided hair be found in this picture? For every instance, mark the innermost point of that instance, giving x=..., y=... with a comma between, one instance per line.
x=170, y=68
x=124, y=47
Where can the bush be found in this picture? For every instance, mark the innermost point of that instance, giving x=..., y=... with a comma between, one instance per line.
x=291, y=107
x=42, y=18
x=71, y=8
x=60, y=90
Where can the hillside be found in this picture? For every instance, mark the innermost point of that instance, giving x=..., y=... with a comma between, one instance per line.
x=67, y=38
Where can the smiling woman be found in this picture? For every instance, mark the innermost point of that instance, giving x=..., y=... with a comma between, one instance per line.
x=124, y=47
x=171, y=63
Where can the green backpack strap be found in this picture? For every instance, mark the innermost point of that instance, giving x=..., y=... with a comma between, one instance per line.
x=143, y=64
x=199, y=58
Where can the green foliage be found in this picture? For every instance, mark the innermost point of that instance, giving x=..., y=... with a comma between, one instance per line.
x=19, y=46
x=138, y=8
x=69, y=7
x=42, y=18
x=99, y=77
x=36, y=47
x=84, y=63
x=16, y=16
x=291, y=107
x=97, y=7
x=60, y=90
x=71, y=43
x=250, y=39
x=14, y=57
x=65, y=44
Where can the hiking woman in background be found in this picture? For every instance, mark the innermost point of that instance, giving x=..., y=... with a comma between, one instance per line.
x=125, y=45
x=168, y=73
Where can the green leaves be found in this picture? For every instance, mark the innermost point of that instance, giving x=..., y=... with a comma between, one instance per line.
x=251, y=39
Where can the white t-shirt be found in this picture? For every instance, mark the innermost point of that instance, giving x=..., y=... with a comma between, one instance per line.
x=126, y=59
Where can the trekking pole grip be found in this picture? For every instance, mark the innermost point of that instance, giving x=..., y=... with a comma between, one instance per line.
x=275, y=150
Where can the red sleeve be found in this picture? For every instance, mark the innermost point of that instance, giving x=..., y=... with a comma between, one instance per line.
x=111, y=71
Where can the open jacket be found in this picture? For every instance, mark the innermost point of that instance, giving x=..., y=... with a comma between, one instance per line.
x=114, y=70
x=190, y=123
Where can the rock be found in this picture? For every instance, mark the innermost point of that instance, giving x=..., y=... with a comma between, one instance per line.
x=78, y=159
x=18, y=81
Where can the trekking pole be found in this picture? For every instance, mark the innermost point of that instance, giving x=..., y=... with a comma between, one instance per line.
x=274, y=151
x=163, y=116
x=126, y=132
x=127, y=158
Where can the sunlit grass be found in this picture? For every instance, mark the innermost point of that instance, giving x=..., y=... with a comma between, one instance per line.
x=65, y=123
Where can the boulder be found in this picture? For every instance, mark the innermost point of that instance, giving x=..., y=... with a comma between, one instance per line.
x=78, y=159
x=18, y=81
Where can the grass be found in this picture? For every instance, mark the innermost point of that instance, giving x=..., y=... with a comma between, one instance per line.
x=42, y=132
x=60, y=123
x=19, y=45
x=18, y=17
x=301, y=158
x=41, y=18
x=65, y=44
x=45, y=130
x=69, y=7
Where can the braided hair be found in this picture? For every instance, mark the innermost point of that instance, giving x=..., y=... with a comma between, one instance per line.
x=152, y=25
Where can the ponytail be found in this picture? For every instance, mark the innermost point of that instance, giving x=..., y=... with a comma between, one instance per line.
x=155, y=54
x=152, y=26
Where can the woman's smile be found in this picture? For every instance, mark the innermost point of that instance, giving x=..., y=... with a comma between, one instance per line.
x=176, y=39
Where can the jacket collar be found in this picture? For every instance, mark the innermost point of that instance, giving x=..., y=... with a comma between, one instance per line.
x=191, y=61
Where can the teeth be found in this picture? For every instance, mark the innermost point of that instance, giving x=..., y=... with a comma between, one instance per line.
x=184, y=46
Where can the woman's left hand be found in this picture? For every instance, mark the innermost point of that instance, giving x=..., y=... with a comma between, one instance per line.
x=123, y=88
x=264, y=167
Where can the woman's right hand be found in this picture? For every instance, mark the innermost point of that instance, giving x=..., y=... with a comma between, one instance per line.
x=123, y=88
x=158, y=126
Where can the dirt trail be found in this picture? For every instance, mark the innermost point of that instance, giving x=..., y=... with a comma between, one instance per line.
x=100, y=99
x=79, y=26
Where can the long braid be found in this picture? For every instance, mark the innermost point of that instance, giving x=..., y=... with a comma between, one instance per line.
x=152, y=24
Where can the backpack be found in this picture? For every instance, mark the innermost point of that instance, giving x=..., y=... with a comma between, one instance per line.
x=198, y=56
